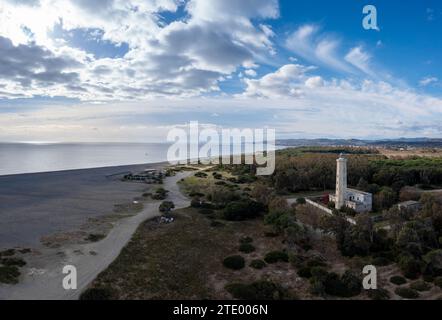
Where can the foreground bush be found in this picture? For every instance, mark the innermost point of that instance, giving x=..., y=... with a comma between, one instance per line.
x=259, y=290
x=407, y=293
x=398, y=280
x=257, y=264
x=276, y=256
x=234, y=262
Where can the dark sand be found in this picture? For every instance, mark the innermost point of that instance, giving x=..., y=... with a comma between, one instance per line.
x=40, y=204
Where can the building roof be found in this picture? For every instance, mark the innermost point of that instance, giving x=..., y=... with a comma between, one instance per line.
x=359, y=191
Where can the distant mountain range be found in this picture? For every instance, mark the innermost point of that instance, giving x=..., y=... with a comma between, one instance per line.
x=399, y=143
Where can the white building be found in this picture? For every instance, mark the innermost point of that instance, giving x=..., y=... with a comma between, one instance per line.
x=359, y=201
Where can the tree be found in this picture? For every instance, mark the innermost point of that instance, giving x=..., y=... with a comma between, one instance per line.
x=362, y=184
x=385, y=198
x=166, y=207
x=261, y=193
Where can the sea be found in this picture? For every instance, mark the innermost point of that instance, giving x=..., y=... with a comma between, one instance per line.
x=18, y=158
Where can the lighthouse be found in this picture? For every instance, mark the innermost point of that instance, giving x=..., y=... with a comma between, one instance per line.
x=341, y=181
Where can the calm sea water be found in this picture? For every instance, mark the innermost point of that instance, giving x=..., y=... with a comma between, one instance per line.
x=26, y=157
x=18, y=158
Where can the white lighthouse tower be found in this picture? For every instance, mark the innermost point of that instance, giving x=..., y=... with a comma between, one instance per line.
x=341, y=181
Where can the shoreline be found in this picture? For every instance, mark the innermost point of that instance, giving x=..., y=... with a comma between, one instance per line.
x=160, y=163
x=42, y=276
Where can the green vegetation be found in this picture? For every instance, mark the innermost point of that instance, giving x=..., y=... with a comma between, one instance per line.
x=97, y=294
x=95, y=237
x=259, y=290
x=378, y=294
x=438, y=282
x=166, y=206
x=420, y=286
x=234, y=262
x=398, y=280
x=7, y=253
x=323, y=282
x=19, y=262
x=243, y=210
x=407, y=293
x=246, y=240
x=246, y=248
x=160, y=194
x=276, y=256
x=257, y=264
x=9, y=274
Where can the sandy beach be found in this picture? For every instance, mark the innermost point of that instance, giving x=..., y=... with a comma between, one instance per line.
x=35, y=206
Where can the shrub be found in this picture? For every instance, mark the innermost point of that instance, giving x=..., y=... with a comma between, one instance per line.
x=276, y=256
x=378, y=294
x=301, y=201
x=257, y=264
x=217, y=224
x=246, y=240
x=259, y=290
x=428, y=278
x=234, y=262
x=95, y=237
x=166, y=206
x=242, y=210
x=7, y=253
x=410, y=267
x=97, y=294
x=246, y=248
x=201, y=174
x=381, y=261
x=398, y=280
x=305, y=272
x=196, y=194
x=9, y=274
x=160, y=194
x=205, y=211
x=407, y=293
x=438, y=282
x=420, y=286
x=349, y=285
x=13, y=262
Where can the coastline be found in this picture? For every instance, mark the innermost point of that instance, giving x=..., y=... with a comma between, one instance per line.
x=31, y=193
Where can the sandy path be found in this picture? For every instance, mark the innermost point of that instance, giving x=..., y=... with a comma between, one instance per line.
x=43, y=276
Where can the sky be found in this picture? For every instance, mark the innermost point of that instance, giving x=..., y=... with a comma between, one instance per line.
x=132, y=70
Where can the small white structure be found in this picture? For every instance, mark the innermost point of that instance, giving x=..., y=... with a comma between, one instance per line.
x=359, y=201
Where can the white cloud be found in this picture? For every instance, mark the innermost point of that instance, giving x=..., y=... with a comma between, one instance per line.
x=186, y=57
x=360, y=59
x=282, y=82
x=325, y=49
x=251, y=73
x=427, y=81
